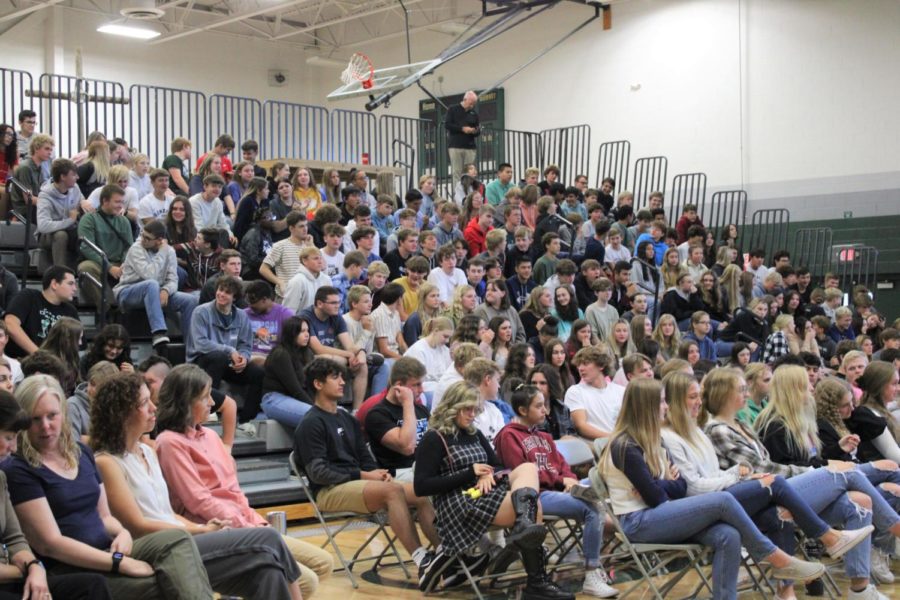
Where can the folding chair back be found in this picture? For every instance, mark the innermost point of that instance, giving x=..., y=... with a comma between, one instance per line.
x=326, y=517
x=576, y=452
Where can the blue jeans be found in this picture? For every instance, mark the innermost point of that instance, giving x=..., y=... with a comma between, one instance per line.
x=380, y=378
x=761, y=504
x=145, y=294
x=715, y=520
x=883, y=540
x=567, y=506
x=826, y=493
x=285, y=409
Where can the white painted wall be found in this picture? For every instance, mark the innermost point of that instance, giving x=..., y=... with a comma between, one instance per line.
x=793, y=99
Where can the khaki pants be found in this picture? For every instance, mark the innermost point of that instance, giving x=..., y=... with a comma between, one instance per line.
x=459, y=158
x=91, y=292
x=315, y=564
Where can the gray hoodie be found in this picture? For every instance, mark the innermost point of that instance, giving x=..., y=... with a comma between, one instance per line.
x=300, y=291
x=53, y=208
x=78, y=407
x=141, y=265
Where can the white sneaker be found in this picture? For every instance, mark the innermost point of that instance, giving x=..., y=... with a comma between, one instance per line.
x=880, y=566
x=870, y=593
x=596, y=583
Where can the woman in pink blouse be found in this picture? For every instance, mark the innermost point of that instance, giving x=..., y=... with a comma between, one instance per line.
x=202, y=475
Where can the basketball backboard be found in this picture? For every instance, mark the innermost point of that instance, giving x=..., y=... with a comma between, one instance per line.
x=386, y=80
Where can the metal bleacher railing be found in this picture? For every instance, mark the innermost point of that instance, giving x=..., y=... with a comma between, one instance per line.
x=149, y=117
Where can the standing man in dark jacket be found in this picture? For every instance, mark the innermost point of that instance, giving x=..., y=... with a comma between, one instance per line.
x=463, y=126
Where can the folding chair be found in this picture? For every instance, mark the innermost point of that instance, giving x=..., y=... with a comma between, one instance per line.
x=653, y=560
x=378, y=519
x=567, y=533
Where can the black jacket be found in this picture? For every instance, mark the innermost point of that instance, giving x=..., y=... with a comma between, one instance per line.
x=673, y=304
x=775, y=438
x=457, y=118
x=745, y=322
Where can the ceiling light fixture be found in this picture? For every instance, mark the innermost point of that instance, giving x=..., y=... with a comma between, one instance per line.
x=140, y=33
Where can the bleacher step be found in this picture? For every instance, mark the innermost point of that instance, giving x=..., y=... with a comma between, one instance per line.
x=261, y=470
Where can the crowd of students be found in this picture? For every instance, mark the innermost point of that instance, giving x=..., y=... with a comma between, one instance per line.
x=464, y=336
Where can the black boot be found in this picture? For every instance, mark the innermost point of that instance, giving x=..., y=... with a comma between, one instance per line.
x=540, y=586
x=526, y=533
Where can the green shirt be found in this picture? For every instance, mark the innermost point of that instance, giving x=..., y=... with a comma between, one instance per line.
x=749, y=413
x=544, y=269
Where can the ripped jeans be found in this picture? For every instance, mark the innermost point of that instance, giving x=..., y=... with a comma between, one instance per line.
x=825, y=492
x=883, y=540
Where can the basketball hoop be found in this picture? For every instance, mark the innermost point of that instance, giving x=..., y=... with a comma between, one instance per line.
x=360, y=69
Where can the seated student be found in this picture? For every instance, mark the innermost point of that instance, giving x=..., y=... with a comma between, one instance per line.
x=285, y=397
x=447, y=230
x=30, y=579
x=351, y=273
x=682, y=301
x=521, y=284
x=309, y=278
x=700, y=332
x=397, y=257
x=561, y=494
x=58, y=205
x=329, y=445
x=79, y=404
x=446, y=277
x=150, y=281
x=432, y=350
x=600, y=314
x=497, y=304
x=329, y=337
x=202, y=476
x=207, y=208
x=33, y=170
x=61, y=502
x=395, y=421
x=510, y=501
x=281, y=264
x=230, y=262
x=252, y=562
x=333, y=234
x=656, y=237
x=594, y=403
x=221, y=342
x=484, y=375
x=386, y=319
x=462, y=354
x=522, y=247
x=266, y=319
x=545, y=266
x=32, y=313
x=108, y=229
x=635, y=461
x=155, y=205
x=759, y=494
x=842, y=329
x=425, y=306
x=475, y=277
x=872, y=421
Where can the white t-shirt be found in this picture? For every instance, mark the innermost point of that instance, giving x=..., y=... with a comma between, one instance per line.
x=602, y=405
x=333, y=264
x=151, y=208
x=759, y=274
x=490, y=421
x=437, y=361
x=447, y=283
x=611, y=255
x=131, y=198
x=449, y=377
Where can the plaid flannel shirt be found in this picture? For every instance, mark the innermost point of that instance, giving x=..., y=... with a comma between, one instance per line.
x=776, y=347
x=733, y=448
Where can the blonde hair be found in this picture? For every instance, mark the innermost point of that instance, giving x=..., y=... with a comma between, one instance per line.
x=677, y=385
x=782, y=322
x=850, y=357
x=437, y=324
x=731, y=282
x=638, y=424
x=718, y=387
x=456, y=312
x=829, y=393
x=627, y=348
x=98, y=154
x=754, y=371
x=668, y=348
x=791, y=406
x=29, y=392
x=458, y=396
x=424, y=289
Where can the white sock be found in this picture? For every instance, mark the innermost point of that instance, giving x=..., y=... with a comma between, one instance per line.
x=418, y=555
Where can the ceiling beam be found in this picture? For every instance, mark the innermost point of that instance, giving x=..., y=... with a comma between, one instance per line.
x=28, y=10
x=348, y=17
x=232, y=19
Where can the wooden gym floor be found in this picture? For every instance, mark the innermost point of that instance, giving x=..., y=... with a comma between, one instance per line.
x=395, y=587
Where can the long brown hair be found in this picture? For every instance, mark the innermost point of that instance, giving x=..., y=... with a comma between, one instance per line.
x=872, y=382
x=677, y=385
x=639, y=424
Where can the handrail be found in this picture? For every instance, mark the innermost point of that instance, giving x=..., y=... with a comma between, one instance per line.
x=26, y=247
x=104, y=279
x=409, y=167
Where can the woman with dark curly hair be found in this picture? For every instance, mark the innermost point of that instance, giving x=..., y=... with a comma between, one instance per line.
x=472, y=328
x=9, y=156
x=520, y=361
x=247, y=562
x=112, y=344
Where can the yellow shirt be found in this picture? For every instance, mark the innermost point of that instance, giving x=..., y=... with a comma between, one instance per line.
x=410, y=299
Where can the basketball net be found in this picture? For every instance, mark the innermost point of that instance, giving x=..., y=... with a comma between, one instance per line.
x=360, y=69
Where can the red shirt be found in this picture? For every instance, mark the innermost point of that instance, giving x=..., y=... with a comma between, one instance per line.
x=475, y=237
x=226, y=164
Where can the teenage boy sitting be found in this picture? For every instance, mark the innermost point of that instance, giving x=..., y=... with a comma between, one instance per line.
x=689, y=218
x=477, y=230
x=447, y=277
x=657, y=238
x=351, y=274
x=842, y=329
x=331, y=253
x=614, y=250
x=58, y=209
x=521, y=284
x=590, y=272
x=594, y=403
x=364, y=240
x=407, y=244
x=523, y=247
x=475, y=277
x=484, y=374
x=447, y=230
x=545, y=266
x=343, y=476
x=266, y=319
x=310, y=277
x=682, y=301
x=155, y=205
x=601, y=314
x=388, y=327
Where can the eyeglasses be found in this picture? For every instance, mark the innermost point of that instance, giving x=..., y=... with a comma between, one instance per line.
x=148, y=238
